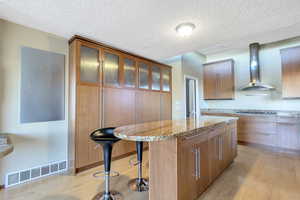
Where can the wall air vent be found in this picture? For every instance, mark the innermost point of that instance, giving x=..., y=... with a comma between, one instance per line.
x=23, y=176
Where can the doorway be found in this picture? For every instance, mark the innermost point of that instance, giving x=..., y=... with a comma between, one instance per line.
x=191, y=88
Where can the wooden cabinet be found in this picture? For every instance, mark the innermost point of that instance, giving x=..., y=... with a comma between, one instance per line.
x=88, y=119
x=119, y=110
x=203, y=157
x=156, y=77
x=166, y=106
x=147, y=106
x=213, y=146
x=111, y=68
x=118, y=107
x=278, y=132
x=218, y=80
x=232, y=128
x=129, y=71
x=290, y=59
x=89, y=64
x=188, y=170
x=194, y=165
x=110, y=88
x=203, y=166
x=259, y=130
x=144, y=75
x=288, y=133
x=166, y=79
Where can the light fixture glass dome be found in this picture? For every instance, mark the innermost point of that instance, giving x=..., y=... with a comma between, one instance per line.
x=185, y=29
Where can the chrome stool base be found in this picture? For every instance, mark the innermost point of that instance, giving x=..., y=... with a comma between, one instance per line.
x=114, y=195
x=139, y=185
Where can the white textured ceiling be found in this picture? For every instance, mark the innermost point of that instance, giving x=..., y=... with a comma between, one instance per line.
x=146, y=27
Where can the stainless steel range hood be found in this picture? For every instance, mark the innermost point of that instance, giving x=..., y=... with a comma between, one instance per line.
x=255, y=82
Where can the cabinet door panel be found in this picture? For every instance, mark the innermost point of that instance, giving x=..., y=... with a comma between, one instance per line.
x=119, y=110
x=88, y=119
x=289, y=135
x=155, y=74
x=215, y=156
x=111, y=69
x=89, y=64
x=166, y=79
x=218, y=80
x=209, y=82
x=188, y=181
x=129, y=73
x=166, y=106
x=144, y=72
x=225, y=80
x=290, y=59
x=203, y=179
x=147, y=106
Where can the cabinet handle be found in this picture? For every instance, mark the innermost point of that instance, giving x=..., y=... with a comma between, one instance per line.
x=220, y=147
x=232, y=139
x=216, y=146
x=199, y=163
x=195, y=151
x=97, y=146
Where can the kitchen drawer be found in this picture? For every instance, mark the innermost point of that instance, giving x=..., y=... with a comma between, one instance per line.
x=258, y=138
x=217, y=131
x=195, y=137
x=288, y=120
x=257, y=127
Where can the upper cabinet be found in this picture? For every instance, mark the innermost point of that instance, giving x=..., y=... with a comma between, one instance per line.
x=218, y=80
x=130, y=72
x=290, y=59
x=144, y=73
x=156, y=77
x=111, y=69
x=166, y=79
x=89, y=64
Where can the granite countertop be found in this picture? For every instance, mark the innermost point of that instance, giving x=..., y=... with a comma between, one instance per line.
x=252, y=112
x=6, y=149
x=163, y=130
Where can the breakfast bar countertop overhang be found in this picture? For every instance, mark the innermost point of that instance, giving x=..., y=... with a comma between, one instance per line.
x=167, y=129
x=186, y=155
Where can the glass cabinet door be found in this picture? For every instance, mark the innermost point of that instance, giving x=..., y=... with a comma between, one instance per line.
x=155, y=77
x=129, y=73
x=111, y=69
x=166, y=79
x=89, y=65
x=143, y=75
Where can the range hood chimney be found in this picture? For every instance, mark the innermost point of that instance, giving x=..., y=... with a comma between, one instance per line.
x=255, y=81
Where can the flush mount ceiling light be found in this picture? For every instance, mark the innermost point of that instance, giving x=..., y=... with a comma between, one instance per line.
x=185, y=29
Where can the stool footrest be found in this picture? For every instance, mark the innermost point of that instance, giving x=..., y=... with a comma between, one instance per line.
x=112, y=174
x=133, y=161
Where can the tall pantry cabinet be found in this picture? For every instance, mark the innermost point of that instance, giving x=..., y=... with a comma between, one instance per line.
x=111, y=88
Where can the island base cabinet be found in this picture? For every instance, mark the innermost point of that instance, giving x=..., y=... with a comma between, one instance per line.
x=214, y=169
x=188, y=171
x=190, y=163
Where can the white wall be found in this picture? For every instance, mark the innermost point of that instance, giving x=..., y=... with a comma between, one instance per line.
x=35, y=143
x=270, y=62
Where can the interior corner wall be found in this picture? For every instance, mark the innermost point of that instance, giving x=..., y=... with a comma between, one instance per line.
x=270, y=63
x=187, y=64
x=35, y=144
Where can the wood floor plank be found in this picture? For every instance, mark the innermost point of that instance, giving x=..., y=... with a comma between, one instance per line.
x=256, y=174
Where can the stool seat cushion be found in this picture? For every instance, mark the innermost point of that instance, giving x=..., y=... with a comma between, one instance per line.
x=104, y=135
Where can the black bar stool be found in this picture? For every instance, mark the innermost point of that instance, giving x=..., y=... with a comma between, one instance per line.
x=139, y=184
x=106, y=139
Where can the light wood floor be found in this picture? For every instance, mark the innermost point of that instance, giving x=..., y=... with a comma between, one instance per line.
x=256, y=174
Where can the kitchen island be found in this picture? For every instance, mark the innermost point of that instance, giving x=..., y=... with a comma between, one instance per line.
x=185, y=156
